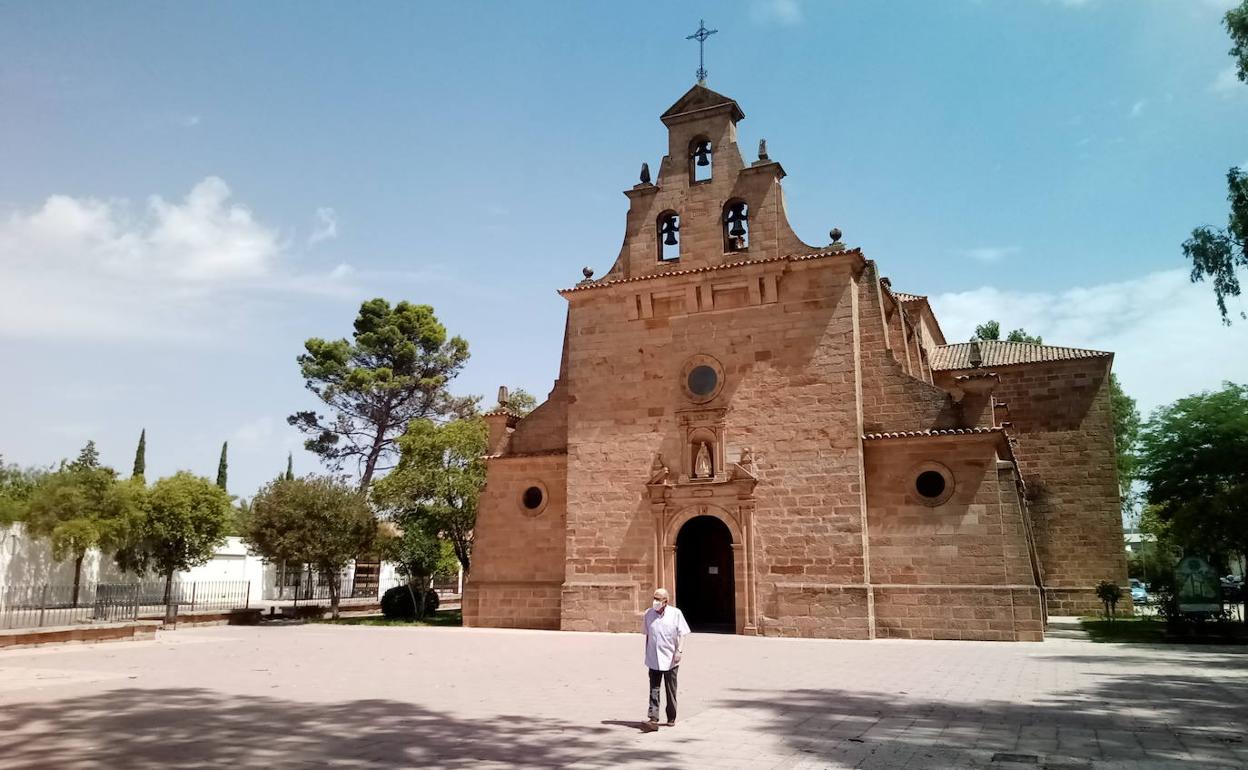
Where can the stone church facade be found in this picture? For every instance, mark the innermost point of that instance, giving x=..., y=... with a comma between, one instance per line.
x=787, y=443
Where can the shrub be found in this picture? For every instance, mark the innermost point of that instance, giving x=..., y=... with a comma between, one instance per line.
x=396, y=603
x=1109, y=593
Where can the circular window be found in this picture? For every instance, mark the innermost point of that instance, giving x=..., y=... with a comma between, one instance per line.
x=533, y=499
x=933, y=483
x=702, y=378
x=930, y=484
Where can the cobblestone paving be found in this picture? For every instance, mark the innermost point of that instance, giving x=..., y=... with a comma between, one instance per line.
x=373, y=697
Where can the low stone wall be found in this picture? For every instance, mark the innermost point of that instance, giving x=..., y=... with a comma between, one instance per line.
x=244, y=617
x=983, y=613
x=103, y=632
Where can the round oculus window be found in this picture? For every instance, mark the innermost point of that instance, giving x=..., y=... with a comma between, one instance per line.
x=930, y=484
x=702, y=380
x=533, y=498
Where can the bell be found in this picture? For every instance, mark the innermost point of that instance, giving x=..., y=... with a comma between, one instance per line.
x=670, y=240
x=737, y=230
x=703, y=149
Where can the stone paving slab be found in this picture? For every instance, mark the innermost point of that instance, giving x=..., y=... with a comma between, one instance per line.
x=383, y=697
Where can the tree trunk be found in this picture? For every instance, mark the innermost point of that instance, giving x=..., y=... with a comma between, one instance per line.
x=374, y=454
x=334, y=585
x=171, y=609
x=78, y=574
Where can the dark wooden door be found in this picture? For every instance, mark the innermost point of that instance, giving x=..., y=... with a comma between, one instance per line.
x=705, y=586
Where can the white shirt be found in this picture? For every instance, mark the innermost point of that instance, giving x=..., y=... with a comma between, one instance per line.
x=663, y=635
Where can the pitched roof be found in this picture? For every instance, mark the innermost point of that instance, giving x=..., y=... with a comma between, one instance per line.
x=1002, y=353
x=701, y=98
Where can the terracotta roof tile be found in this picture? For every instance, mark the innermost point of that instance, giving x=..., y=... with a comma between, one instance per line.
x=935, y=432
x=1001, y=353
x=599, y=284
x=904, y=297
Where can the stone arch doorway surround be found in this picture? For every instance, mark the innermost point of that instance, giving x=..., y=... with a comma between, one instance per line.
x=704, y=575
x=742, y=595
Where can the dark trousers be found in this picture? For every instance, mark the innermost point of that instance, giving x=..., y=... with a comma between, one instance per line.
x=669, y=683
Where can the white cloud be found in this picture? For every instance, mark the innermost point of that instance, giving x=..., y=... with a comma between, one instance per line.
x=84, y=267
x=326, y=227
x=989, y=253
x=777, y=11
x=190, y=121
x=1138, y=108
x=1227, y=82
x=1165, y=332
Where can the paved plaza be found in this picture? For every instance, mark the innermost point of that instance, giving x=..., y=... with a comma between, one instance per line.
x=378, y=697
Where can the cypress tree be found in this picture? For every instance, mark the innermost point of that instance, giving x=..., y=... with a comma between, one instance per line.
x=223, y=465
x=290, y=465
x=140, y=457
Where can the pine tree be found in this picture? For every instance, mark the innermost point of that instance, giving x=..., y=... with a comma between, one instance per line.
x=89, y=457
x=140, y=457
x=223, y=465
x=290, y=466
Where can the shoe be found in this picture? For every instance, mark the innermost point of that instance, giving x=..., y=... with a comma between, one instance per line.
x=653, y=720
x=671, y=723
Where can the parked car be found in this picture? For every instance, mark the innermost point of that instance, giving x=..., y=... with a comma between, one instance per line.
x=1139, y=592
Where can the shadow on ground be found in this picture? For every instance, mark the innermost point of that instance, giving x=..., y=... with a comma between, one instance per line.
x=182, y=728
x=1123, y=717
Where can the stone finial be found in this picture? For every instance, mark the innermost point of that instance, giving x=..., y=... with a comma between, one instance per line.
x=658, y=469
x=762, y=149
x=645, y=173
x=747, y=459
x=975, y=357
x=588, y=272
x=503, y=396
x=835, y=234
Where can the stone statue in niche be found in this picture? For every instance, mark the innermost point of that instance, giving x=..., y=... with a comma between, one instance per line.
x=658, y=469
x=702, y=468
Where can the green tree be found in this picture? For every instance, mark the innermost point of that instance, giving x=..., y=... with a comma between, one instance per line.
x=417, y=555
x=1217, y=254
x=79, y=507
x=394, y=371
x=182, y=523
x=1126, y=437
x=438, y=481
x=991, y=330
x=223, y=466
x=1194, y=460
x=16, y=486
x=315, y=520
x=140, y=457
x=521, y=401
x=88, y=457
x=290, y=467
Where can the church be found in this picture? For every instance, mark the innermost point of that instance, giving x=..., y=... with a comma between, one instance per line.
x=787, y=442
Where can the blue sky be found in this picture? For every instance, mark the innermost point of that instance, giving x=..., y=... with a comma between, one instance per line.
x=189, y=191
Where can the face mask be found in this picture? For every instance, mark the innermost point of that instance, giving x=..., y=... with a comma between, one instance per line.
x=658, y=605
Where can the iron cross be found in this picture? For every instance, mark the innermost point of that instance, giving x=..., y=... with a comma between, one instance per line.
x=701, y=35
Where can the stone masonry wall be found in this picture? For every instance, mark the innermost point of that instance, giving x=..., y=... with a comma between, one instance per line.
x=518, y=558
x=1059, y=412
x=957, y=570
x=789, y=393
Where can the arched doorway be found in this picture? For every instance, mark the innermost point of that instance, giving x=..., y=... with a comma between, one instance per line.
x=705, y=585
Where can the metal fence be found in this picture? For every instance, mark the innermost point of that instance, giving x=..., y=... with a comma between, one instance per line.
x=35, y=605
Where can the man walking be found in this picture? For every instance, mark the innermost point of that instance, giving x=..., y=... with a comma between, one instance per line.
x=665, y=630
